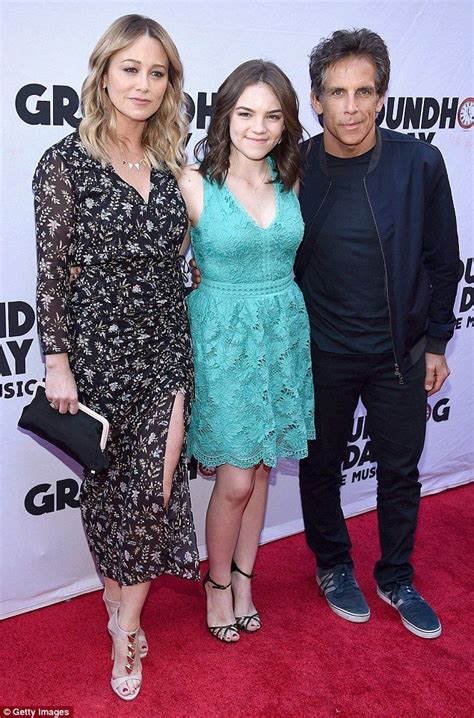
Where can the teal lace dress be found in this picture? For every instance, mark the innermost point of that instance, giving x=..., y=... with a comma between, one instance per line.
x=250, y=333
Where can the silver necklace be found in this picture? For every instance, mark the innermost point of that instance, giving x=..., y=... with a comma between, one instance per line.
x=254, y=188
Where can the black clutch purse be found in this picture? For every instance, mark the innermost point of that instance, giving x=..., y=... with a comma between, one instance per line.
x=83, y=436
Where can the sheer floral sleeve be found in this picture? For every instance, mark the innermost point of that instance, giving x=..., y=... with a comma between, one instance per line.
x=54, y=214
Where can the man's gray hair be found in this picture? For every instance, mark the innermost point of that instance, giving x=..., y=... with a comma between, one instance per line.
x=347, y=43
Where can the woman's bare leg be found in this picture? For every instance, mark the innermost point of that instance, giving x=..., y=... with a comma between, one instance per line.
x=174, y=445
x=112, y=591
x=132, y=598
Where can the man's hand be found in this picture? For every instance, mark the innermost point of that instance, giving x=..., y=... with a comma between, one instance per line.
x=437, y=371
x=195, y=273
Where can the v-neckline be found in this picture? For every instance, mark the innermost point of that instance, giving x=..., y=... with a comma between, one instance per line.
x=245, y=210
x=143, y=201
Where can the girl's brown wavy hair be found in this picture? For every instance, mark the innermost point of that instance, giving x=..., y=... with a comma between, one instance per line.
x=165, y=131
x=214, y=150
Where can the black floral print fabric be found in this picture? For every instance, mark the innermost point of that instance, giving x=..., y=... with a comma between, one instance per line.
x=123, y=323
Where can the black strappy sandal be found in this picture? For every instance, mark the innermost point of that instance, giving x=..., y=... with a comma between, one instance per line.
x=242, y=622
x=222, y=633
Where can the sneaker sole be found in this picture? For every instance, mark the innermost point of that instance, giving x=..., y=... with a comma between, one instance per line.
x=347, y=615
x=409, y=626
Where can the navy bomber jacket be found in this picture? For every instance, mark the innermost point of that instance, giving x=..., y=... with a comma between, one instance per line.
x=409, y=195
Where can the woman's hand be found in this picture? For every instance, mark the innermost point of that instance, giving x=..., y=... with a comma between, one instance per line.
x=74, y=272
x=195, y=273
x=61, y=389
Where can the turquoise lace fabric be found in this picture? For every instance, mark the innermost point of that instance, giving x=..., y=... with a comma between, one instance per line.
x=250, y=332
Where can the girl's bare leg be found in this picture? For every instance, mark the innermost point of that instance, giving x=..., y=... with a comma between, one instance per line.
x=247, y=546
x=229, y=498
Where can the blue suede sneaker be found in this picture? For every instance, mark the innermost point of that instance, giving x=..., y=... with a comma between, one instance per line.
x=342, y=593
x=416, y=614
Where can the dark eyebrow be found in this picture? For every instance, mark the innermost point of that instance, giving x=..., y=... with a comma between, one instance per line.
x=138, y=62
x=249, y=109
x=337, y=87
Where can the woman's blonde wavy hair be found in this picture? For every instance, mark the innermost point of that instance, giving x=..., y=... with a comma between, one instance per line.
x=166, y=131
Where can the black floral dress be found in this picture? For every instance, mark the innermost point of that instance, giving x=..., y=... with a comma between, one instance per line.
x=123, y=323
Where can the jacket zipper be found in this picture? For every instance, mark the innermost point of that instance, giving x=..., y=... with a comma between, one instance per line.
x=397, y=371
x=307, y=229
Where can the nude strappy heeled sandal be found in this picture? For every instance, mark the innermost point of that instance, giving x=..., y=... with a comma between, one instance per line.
x=142, y=642
x=130, y=637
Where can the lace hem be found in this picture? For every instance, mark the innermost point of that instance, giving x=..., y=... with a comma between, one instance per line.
x=248, y=462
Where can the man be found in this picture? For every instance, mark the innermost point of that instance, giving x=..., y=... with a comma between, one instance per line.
x=378, y=268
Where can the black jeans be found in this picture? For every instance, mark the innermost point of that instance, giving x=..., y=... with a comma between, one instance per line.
x=396, y=424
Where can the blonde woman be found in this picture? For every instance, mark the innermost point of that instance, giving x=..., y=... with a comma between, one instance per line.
x=116, y=337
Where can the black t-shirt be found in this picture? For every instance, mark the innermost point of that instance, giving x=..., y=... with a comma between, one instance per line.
x=344, y=284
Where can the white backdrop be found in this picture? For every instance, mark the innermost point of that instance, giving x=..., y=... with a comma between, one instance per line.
x=46, y=45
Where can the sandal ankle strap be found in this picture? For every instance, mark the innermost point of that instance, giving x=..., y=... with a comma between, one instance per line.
x=109, y=602
x=208, y=579
x=115, y=628
x=234, y=567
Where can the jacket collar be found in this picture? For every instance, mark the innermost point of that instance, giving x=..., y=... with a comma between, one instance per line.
x=374, y=160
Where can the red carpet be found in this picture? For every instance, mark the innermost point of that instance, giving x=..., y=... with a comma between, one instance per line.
x=306, y=662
